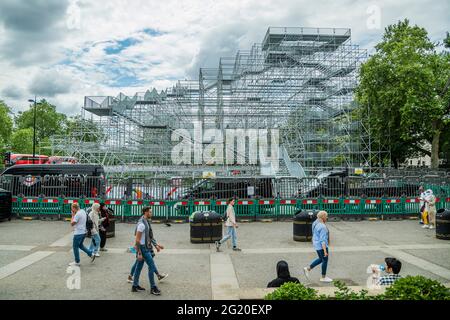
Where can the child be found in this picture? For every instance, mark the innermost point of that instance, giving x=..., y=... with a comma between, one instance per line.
x=393, y=267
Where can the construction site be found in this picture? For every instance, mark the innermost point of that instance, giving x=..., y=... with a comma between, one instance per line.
x=297, y=81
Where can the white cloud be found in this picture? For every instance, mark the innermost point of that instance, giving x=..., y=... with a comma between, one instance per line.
x=63, y=65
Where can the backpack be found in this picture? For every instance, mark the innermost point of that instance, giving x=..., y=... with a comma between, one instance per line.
x=224, y=216
x=89, y=223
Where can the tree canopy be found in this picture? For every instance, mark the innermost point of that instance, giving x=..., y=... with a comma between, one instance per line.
x=49, y=122
x=404, y=93
x=22, y=141
x=6, y=126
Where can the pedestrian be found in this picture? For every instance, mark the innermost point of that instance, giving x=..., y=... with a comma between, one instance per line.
x=78, y=221
x=392, y=269
x=430, y=207
x=231, y=227
x=321, y=240
x=105, y=215
x=94, y=214
x=422, y=203
x=283, y=275
x=153, y=243
x=142, y=246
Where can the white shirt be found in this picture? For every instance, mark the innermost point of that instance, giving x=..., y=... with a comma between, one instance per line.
x=231, y=218
x=95, y=220
x=80, y=226
x=141, y=228
x=422, y=199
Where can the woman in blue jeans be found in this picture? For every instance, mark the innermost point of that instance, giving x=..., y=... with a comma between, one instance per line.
x=321, y=238
x=231, y=225
x=95, y=232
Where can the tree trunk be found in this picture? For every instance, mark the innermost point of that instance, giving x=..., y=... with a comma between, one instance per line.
x=395, y=161
x=435, y=147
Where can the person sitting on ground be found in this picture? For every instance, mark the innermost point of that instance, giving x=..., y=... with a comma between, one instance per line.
x=283, y=275
x=393, y=267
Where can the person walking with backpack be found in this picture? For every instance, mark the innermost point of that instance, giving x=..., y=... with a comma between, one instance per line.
x=153, y=243
x=104, y=214
x=321, y=239
x=81, y=222
x=96, y=220
x=231, y=225
x=143, y=249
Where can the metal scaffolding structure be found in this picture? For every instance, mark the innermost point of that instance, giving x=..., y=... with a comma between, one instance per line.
x=298, y=80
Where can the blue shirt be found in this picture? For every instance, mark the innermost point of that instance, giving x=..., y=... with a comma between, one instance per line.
x=320, y=234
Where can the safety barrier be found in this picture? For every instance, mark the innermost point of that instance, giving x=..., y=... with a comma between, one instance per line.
x=254, y=209
x=238, y=187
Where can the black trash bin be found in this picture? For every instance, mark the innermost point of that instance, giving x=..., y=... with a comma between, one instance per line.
x=206, y=227
x=443, y=224
x=302, y=225
x=5, y=204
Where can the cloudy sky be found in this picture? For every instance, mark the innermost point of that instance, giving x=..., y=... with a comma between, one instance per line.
x=63, y=50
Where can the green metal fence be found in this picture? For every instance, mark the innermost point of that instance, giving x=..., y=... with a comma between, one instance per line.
x=254, y=209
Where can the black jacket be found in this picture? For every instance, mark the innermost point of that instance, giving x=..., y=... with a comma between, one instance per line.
x=283, y=275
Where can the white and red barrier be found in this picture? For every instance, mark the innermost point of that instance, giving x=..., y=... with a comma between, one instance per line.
x=266, y=202
x=331, y=201
x=288, y=201
x=310, y=201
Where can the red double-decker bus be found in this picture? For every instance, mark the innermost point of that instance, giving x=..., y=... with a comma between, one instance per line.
x=62, y=160
x=27, y=159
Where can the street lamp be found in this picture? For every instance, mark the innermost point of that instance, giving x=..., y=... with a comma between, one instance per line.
x=34, y=127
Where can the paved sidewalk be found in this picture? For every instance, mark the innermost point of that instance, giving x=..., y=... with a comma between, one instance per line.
x=34, y=257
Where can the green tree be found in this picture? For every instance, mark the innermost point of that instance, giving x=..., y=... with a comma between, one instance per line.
x=6, y=127
x=85, y=130
x=404, y=93
x=49, y=122
x=22, y=141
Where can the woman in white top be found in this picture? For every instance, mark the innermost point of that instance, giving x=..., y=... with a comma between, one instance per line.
x=96, y=220
x=430, y=204
x=231, y=227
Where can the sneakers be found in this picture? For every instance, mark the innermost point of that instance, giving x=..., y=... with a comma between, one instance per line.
x=430, y=227
x=92, y=257
x=74, y=264
x=97, y=254
x=306, y=272
x=237, y=249
x=326, y=279
x=217, y=246
x=130, y=279
x=103, y=249
x=161, y=277
x=425, y=226
x=155, y=291
x=137, y=289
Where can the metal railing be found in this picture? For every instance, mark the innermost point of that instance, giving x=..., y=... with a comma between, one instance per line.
x=253, y=209
x=222, y=188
